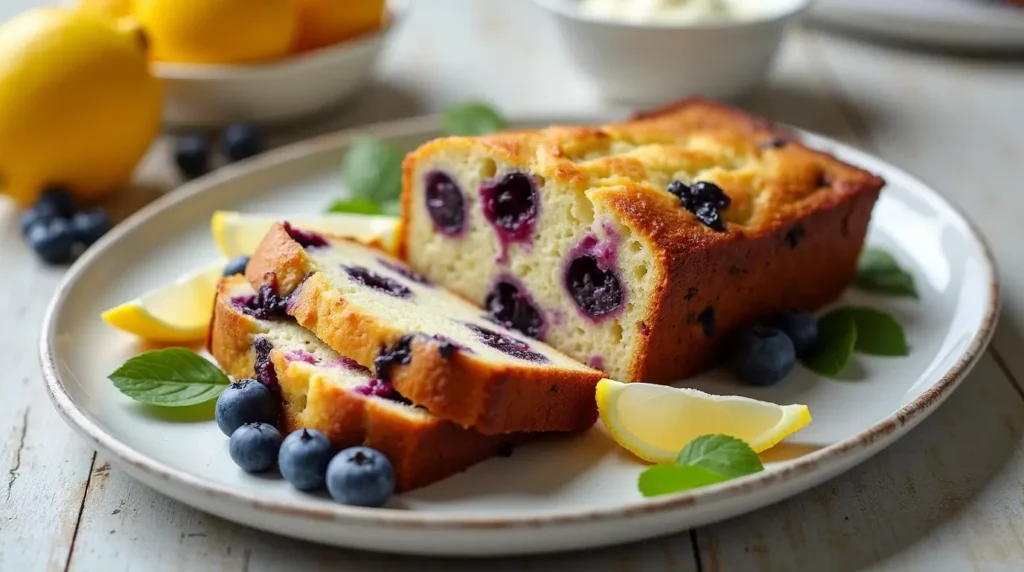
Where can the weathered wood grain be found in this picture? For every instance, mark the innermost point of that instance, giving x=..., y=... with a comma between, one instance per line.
x=948, y=496
x=43, y=466
x=125, y=524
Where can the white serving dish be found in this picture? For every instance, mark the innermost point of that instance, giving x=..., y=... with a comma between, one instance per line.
x=275, y=92
x=652, y=63
x=563, y=493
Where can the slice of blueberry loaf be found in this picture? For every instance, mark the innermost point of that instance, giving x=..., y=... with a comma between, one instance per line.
x=433, y=347
x=636, y=247
x=323, y=390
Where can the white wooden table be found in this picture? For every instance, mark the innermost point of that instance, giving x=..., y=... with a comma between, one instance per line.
x=949, y=496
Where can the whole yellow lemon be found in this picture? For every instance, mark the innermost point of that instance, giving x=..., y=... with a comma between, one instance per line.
x=327, y=22
x=109, y=8
x=78, y=106
x=217, y=31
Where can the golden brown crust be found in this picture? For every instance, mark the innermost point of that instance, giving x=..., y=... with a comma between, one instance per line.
x=465, y=388
x=793, y=232
x=422, y=449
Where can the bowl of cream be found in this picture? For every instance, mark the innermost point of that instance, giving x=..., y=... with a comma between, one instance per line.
x=646, y=52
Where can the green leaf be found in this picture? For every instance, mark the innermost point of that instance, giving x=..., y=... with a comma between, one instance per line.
x=879, y=272
x=393, y=208
x=878, y=333
x=706, y=460
x=667, y=479
x=721, y=454
x=355, y=205
x=472, y=118
x=837, y=336
x=372, y=170
x=173, y=377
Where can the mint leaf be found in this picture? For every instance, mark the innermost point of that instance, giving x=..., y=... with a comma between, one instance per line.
x=393, y=208
x=372, y=170
x=720, y=454
x=878, y=333
x=879, y=272
x=173, y=377
x=706, y=460
x=355, y=205
x=667, y=479
x=472, y=118
x=837, y=336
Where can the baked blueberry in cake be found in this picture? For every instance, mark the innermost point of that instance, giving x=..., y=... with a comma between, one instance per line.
x=637, y=247
x=433, y=347
x=321, y=389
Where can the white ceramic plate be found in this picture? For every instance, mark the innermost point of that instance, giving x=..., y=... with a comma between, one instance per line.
x=565, y=493
x=960, y=24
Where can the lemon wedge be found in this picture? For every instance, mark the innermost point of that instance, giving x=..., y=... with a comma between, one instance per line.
x=239, y=234
x=655, y=422
x=177, y=312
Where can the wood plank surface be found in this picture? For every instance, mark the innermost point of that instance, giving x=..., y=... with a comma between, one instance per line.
x=43, y=466
x=947, y=497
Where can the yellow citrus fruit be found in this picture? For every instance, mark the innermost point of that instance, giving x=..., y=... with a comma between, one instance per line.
x=655, y=422
x=238, y=234
x=178, y=312
x=109, y=8
x=327, y=22
x=218, y=31
x=78, y=106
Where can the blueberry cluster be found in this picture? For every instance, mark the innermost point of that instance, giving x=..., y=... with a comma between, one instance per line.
x=765, y=353
x=246, y=412
x=237, y=142
x=705, y=200
x=57, y=231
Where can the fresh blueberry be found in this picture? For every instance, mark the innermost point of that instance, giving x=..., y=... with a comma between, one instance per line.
x=360, y=476
x=30, y=218
x=192, y=155
x=90, y=225
x=304, y=457
x=800, y=326
x=254, y=447
x=245, y=401
x=236, y=265
x=241, y=141
x=52, y=240
x=56, y=202
x=762, y=355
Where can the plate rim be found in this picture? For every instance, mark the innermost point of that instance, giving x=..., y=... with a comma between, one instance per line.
x=852, y=450
x=837, y=13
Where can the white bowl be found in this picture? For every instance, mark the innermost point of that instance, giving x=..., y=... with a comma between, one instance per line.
x=652, y=62
x=300, y=85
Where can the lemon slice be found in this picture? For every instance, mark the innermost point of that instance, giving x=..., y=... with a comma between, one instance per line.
x=178, y=312
x=239, y=234
x=655, y=422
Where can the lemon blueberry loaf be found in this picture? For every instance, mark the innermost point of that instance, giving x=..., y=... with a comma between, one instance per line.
x=636, y=247
x=321, y=389
x=436, y=349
